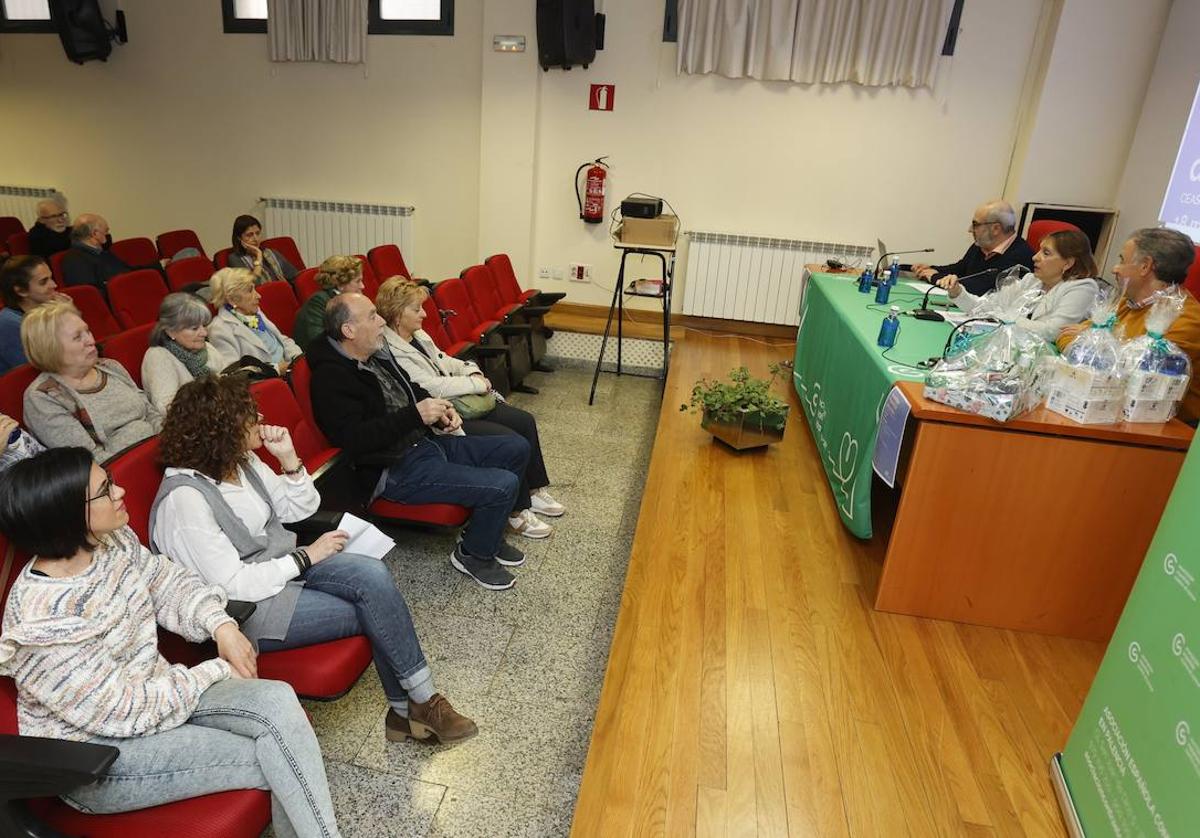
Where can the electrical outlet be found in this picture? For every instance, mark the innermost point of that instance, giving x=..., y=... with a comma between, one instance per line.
x=579, y=272
x=545, y=273
x=558, y=274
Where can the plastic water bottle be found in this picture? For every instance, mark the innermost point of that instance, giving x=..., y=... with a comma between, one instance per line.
x=889, y=328
x=864, y=281
x=894, y=271
x=883, y=291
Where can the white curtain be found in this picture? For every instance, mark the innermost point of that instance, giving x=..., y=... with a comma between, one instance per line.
x=318, y=30
x=869, y=42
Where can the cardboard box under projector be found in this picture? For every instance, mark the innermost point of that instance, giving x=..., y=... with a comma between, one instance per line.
x=658, y=232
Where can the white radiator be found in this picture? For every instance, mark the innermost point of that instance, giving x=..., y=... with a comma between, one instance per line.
x=328, y=228
x=21, y=202
x=756, y=279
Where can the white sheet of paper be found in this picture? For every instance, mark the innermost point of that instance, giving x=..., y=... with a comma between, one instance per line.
x=925, y=286
x=366, y=539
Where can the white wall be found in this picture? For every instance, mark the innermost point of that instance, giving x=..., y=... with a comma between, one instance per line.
x=186, y=126
x=1163, y=118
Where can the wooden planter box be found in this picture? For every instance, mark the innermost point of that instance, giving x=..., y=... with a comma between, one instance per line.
x=751, y=430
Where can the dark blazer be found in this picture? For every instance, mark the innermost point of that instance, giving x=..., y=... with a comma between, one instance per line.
x=82, y=266
x=973, y=261
x=349, y=407
x=45, y=242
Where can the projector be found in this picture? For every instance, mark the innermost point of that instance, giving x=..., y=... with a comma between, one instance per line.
x=641, y=208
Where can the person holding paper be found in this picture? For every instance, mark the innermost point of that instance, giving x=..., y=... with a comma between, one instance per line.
x=220, y=511
x=1065, y=268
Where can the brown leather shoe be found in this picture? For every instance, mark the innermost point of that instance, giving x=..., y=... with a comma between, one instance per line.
x=437, y=718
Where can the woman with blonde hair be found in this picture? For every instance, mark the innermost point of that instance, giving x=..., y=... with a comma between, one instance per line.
x=337, y=275
x=240, y=328
x=80, y=398
x=400, y=303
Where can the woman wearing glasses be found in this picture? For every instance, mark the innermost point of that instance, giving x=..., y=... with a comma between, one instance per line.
x=80, y=641
x=220, y=511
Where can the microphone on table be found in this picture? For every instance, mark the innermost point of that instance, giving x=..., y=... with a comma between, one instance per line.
x=927, y=313
x=883, y=256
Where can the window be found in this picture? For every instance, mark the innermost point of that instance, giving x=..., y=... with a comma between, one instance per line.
x=384, y=17
x=25, y=16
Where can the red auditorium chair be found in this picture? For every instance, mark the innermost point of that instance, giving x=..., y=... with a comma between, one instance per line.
x=485, y=297
x=285, y=246
x=9, y=225
x=279, y=302
x=173, y=241
x=305, y=284
x=128, y=348
x=433, y=327
x=485, y=294
x=221, y=258
x=13, y=385
x=94, y=310
x=435, y=514
x=323, y=671
x=510, y=289
x=18, y=244
x=56, y=260
x=64, y=765
x=136, y=296
x=136, y=253
x=387, y=261
x=187, y=272
x=1038, y=230
x=370, y=279
x=1192, y=283
x=464, y=323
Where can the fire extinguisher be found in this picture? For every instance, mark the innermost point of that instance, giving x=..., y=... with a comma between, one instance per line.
x=591, y=205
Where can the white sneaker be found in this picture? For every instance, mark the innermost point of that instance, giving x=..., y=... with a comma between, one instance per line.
x=529, y=525
x=543, y=504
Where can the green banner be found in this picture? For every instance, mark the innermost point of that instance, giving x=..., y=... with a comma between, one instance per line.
x=843, y=378
x=1132, y=763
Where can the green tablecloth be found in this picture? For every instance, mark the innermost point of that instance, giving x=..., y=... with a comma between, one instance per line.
x=843, y=379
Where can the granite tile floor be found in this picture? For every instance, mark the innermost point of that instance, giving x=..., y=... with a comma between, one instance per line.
x=526, y=664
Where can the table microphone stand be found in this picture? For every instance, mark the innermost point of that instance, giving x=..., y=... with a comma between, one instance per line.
x=927, y=313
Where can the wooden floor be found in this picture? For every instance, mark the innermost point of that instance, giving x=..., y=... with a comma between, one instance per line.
x=753, y=690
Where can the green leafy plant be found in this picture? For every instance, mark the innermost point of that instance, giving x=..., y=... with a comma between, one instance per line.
x=729, y=401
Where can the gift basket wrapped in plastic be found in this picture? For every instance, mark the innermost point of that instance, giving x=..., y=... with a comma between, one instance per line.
x=1156, y=371
x=991, y=366
x=1087, y=383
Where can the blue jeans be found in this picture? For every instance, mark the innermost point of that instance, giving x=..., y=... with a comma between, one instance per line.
x=482, y=473
x=348, y=594
x=244, y=734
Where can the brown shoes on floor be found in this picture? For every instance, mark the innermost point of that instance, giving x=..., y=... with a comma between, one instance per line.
x=433, y=718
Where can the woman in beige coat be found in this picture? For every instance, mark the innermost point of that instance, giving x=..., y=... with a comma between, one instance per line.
x=240, y=327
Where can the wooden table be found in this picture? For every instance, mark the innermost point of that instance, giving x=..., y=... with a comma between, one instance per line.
x=1037, y=524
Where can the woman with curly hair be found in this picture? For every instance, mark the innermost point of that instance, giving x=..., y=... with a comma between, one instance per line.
x=337, y=275
x=220, y=511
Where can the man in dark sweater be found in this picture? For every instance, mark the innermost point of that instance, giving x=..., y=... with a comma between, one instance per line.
x=51, y=233
x=996, y=248
x=367, y=405
x=87, y=262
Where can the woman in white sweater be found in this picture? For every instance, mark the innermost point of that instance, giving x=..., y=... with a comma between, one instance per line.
x=179, y=349
x=80, y=641
x=1065, y=267
x=400, y=302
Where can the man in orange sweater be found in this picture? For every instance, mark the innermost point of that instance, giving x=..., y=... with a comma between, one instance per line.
x=1152, y=260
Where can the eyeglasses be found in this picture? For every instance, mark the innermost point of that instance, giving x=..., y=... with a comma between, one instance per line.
x=976, y=224
x=105, y=489
x=52, y=217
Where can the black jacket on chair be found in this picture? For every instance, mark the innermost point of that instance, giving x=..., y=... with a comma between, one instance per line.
x=349, y=407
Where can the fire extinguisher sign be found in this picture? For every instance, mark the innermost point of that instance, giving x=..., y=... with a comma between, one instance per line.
x=601, y=97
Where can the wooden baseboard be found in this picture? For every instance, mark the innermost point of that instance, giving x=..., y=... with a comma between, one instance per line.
x=590, y=319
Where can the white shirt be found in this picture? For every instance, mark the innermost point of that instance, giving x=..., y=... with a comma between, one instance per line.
x=1066, y=303
x=185, y=529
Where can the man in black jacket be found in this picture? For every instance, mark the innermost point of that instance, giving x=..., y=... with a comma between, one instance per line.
x=51, y=232
x=367, y=405
x=87, y=262
x=996, y=248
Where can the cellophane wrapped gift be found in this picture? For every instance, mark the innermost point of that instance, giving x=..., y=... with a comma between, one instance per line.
x=1087, y=383
x=1156, y=371
x=995, y=373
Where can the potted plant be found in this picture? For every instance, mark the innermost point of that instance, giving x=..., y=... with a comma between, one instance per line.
x=741, y=412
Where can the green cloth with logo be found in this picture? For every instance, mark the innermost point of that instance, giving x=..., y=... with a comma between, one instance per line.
x=843, y=377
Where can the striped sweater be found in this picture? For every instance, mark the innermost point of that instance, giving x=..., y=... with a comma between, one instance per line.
x=84, y=650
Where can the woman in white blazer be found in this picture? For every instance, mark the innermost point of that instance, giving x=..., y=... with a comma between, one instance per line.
x=179, y=350
x=400, y=302
x=240, y=327
x=1065, y=267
